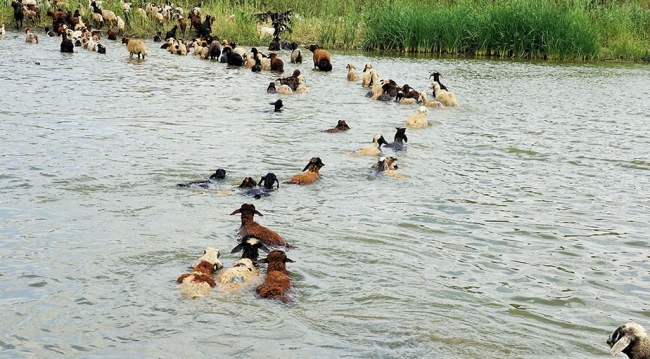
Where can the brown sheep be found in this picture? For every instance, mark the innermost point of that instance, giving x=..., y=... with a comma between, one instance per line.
x=341, y=126
x=276, y=63
x=321, y=58
x=277, y=282
x=252, y=228
x=311, y=175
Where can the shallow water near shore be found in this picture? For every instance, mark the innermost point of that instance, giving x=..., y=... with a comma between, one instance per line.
x=520, y=230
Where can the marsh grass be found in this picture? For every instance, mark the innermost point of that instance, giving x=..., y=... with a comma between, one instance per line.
x=550, y=29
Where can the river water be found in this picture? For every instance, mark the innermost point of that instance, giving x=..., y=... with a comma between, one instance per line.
x=519, y=230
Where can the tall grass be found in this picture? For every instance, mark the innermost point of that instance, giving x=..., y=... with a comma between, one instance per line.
x=517, y=28
x=550, y=29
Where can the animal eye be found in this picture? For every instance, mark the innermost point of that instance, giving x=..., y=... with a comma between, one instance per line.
x=204, y=251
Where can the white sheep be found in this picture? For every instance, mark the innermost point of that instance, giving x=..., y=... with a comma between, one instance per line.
x=30, y=37
x=241, y=275
x=198, y=282
x=352, y=75
x=631, y=339
x=285, y=90
x=426, y=102
x=120, y=25
x=265, y=31
x=418, y=120
x=366, y=79
x=109, y=16
x=2, y=29
x=210, y=255
x=373, y=150
x=98, y=19
x=445, y=97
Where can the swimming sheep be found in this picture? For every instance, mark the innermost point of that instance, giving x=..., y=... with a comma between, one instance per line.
x=418, y=120
x=296, y=54
x=321, y=58
x=341, y=126
x=277, y=282
x=631, y=339
x=250, y=246
x=242, y=274
x=367, y=76
x=399, y=140
x=252, y=228
x=352, y=75
x=426, y=102
x=445, y=97
x=30, y=37
x=387, y=166
x=310, y=172
x=373, y=150
x=198, y=282
x=135, y=47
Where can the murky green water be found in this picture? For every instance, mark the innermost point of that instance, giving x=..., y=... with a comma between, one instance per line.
x=520, y=230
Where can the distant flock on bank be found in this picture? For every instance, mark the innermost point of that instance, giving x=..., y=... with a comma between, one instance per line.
x=83, y=29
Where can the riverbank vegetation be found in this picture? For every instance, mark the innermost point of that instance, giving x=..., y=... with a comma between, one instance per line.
x=547, y=29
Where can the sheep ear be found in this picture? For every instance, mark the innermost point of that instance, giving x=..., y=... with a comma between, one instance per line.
x=235, y=212
x=258, y=213
x=261, y=261
x=263, y=247
x=621, y=344
x=277, y=181
x=289, y=260
x=238, y=248
x=406, y=138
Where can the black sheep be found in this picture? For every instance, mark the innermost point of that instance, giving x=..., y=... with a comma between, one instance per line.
x=206, y=27
x=250, y=246
x=18, y=13
x=268, y=181
x=278, y=105
x=66, y=44
x=399, y=140
x=215, y=50
x=171, y=33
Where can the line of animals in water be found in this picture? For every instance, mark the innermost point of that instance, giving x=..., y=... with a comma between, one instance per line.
x=631, y=338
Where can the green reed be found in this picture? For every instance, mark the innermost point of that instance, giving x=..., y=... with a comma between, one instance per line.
x=550, y=29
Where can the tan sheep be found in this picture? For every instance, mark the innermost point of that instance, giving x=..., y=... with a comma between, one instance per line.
x=352, y=75
x=418, y=120
x=135, y=47
x=445, y=97
x=241, y=275
x=373, y=150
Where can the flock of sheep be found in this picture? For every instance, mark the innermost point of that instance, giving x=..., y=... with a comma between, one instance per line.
x=631, y=338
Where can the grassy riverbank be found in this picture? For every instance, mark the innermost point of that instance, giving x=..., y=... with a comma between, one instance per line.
x=553, y=29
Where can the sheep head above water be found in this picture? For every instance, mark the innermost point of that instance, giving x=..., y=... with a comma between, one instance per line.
x=250, y=246
x=631, y=339
x=251, y=228
x=269, y=180
x=248, y=182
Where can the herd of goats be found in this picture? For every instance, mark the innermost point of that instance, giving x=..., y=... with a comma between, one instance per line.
x=81, y=29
